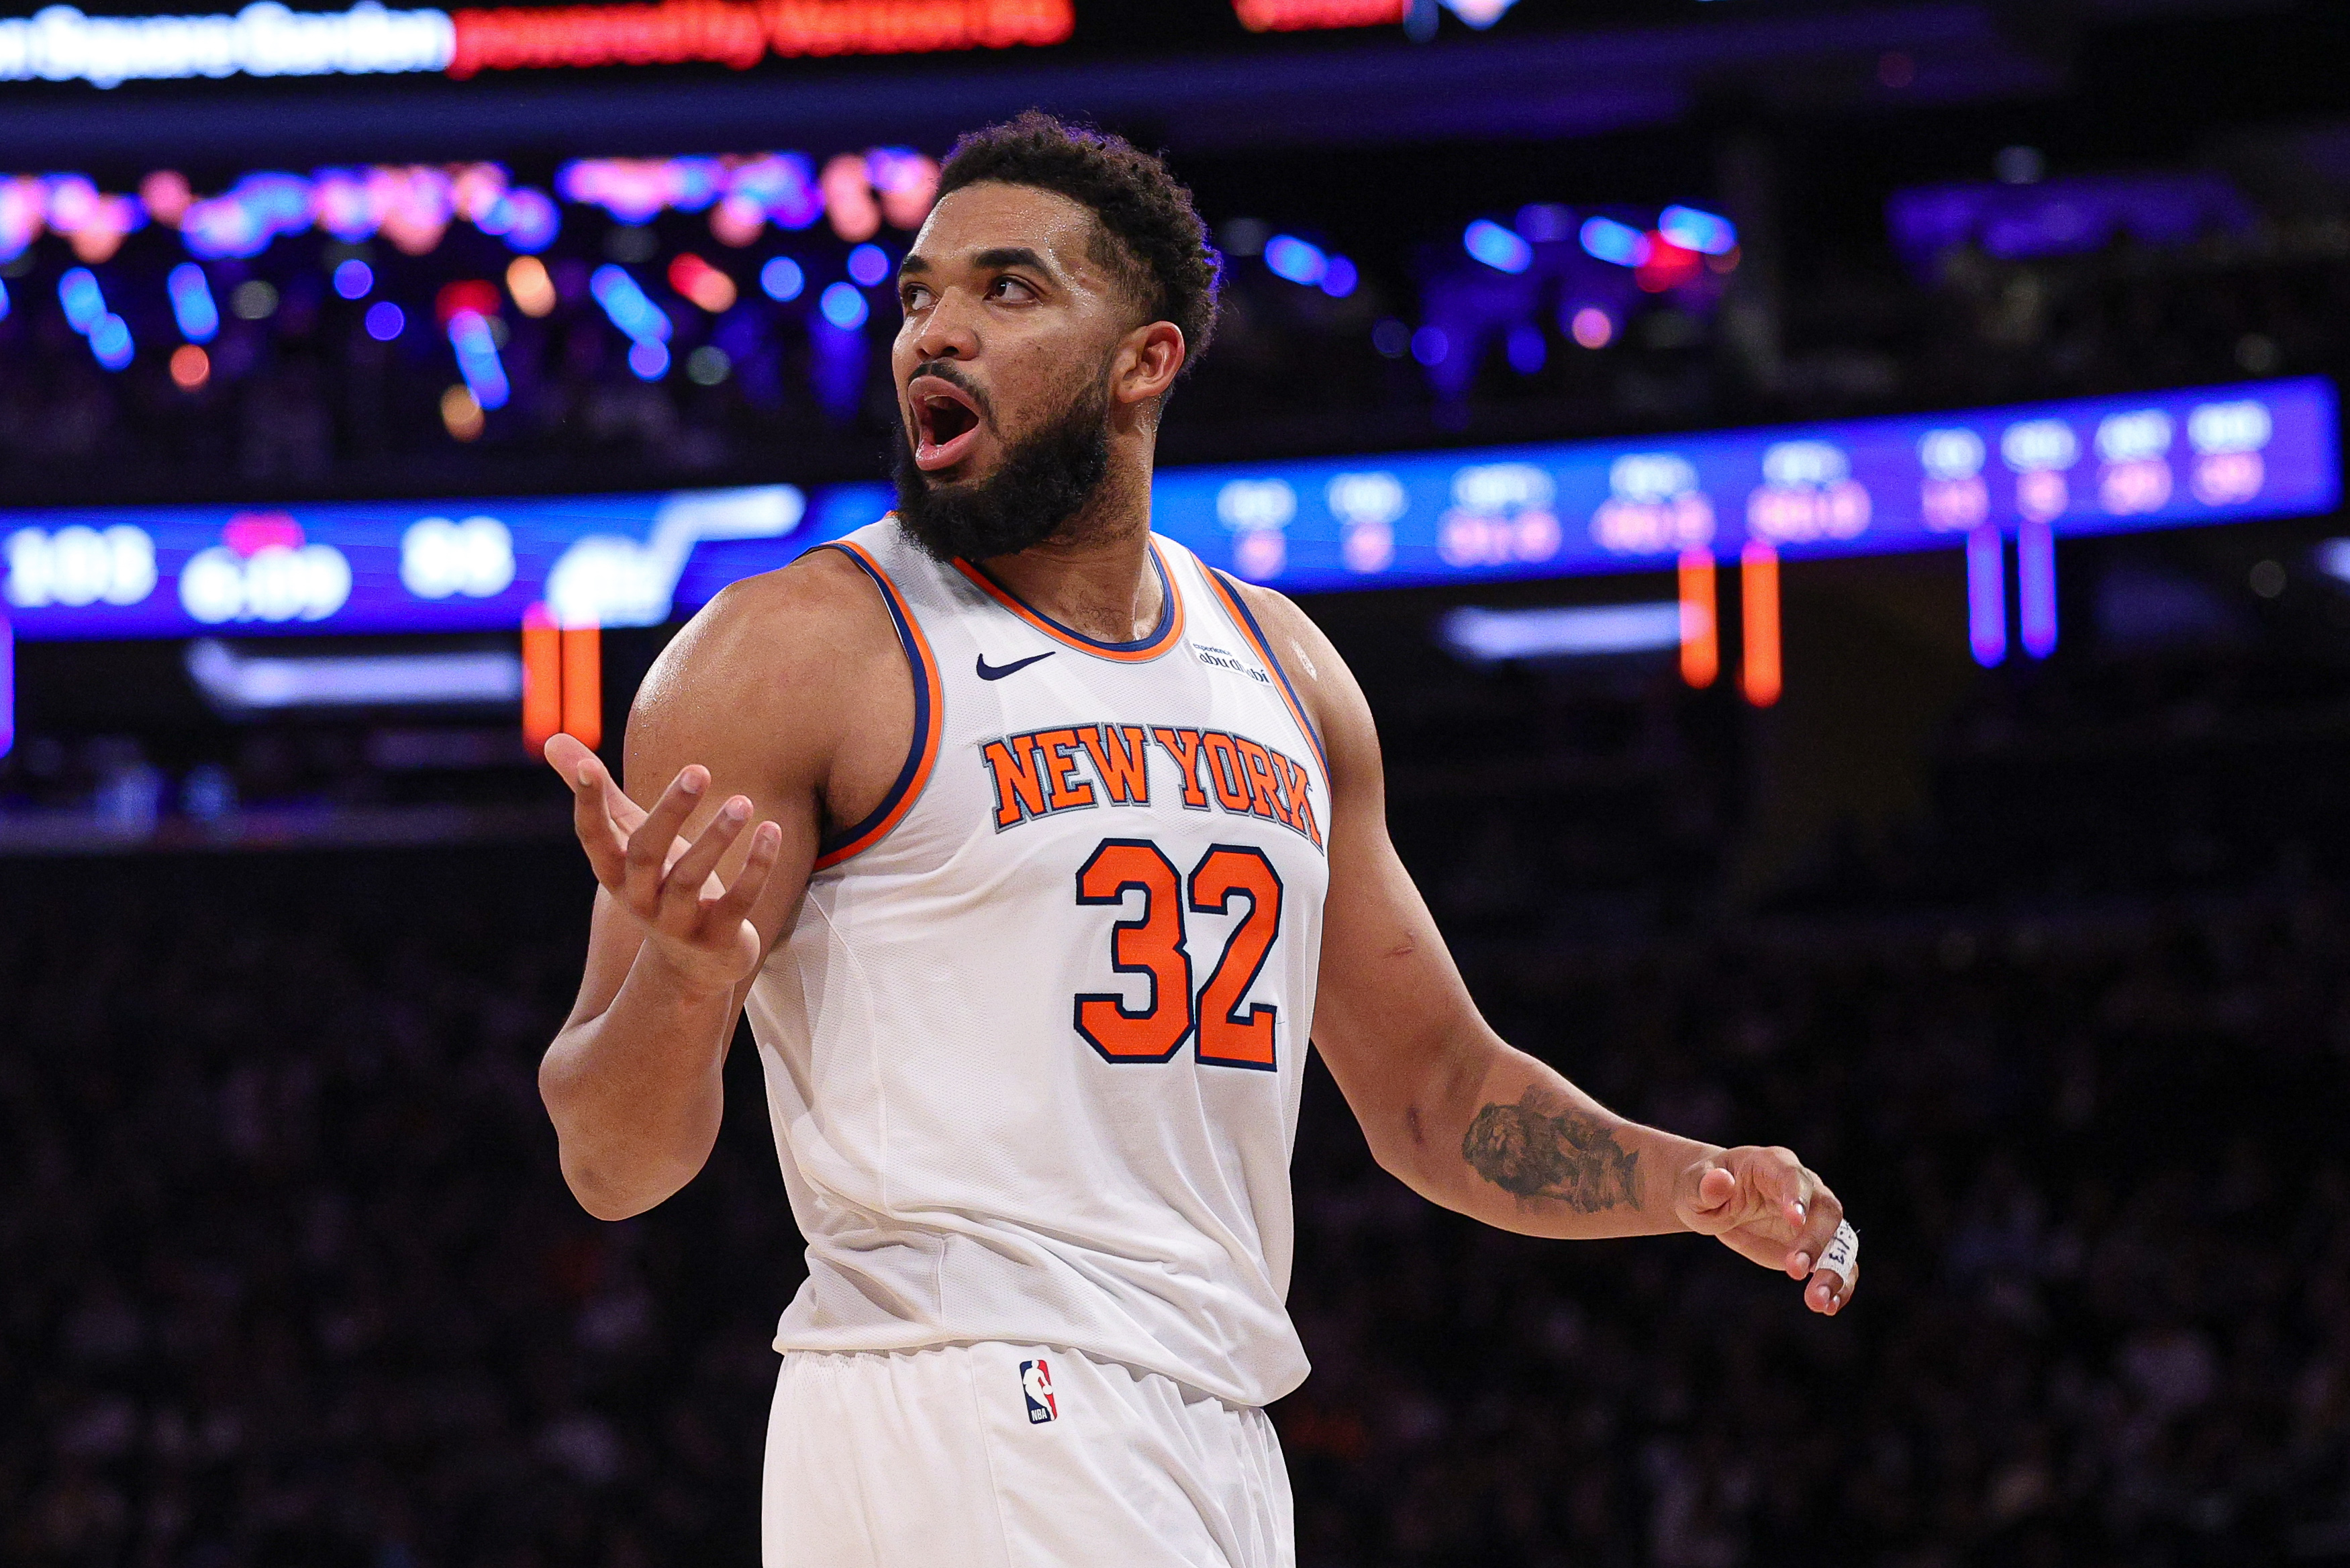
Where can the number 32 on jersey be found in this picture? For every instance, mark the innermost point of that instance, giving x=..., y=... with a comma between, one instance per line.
x=1153, y=943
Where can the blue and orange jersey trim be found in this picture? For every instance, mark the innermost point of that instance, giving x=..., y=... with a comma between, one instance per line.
x=1229, y=591
x=1168, y=632
x=922, y=755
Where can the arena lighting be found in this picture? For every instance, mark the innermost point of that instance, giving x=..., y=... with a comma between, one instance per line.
x=237, y=683
x=699, y=282
x=1760, y=675
x=354, y=279
x=1859, y=487
x=1605, y=239
x=1986, y=596
x=477, y=359
x=2035, y=573
x=843, y=306
x=1695, y=231
x=868, y=265
x=562, y=681
x=1339, y=277
x=7, y=687
x=1499, y=248
x=385, y=321
x=782, y=279
x=412, y=205
x=739, y=34
x=83, y=301
x=61, y=43
x=1493, y=636
x=192, y=303
x=1701, y=619
x=110, y=342
x=1299, y=261
x=637, y=317
x=1298, y=16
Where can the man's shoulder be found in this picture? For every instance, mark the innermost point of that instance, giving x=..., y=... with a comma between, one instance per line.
x=773, y=644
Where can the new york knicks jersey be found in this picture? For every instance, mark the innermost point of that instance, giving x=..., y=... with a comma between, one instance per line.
x=1034, y=1041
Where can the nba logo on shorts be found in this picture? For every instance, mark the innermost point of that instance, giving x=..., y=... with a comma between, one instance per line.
x=1037, y=1387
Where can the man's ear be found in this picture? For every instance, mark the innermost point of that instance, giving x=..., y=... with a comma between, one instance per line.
x=1148, y=362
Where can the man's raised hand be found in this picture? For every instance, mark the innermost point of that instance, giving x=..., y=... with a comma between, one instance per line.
x=696, y=926
x=1763, y=1205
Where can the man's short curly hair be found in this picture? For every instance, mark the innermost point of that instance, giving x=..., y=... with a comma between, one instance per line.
x=1153, y=240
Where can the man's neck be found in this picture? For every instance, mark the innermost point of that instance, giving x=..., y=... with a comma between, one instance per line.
x=1094, y=576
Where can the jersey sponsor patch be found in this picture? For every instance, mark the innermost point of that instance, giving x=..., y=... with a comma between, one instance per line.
x=1215, y=658
x=1037, y=1387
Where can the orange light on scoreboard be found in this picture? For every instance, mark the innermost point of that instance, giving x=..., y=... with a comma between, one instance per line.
x=561, y=681
x=1758, y=581
x=583, y=684
x=1701, y=619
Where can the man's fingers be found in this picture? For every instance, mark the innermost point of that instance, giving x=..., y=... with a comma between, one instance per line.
x=1829, y=1291
x=681, y=886
x=649, y=844
x=1819, y=1228
x=1716, y=1188
x=591, y=818
x=737, y=902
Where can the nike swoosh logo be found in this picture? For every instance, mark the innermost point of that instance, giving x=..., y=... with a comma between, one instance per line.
x=998, y=671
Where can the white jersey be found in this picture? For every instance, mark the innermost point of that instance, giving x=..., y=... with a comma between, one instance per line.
x=1034, y=1045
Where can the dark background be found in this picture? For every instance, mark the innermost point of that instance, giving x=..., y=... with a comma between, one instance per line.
x=2043, y=966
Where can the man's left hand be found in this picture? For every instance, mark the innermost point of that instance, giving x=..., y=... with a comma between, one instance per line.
x=1765, y=1206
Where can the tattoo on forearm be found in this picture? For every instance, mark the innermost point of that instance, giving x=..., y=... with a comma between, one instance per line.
x=1542, y=1147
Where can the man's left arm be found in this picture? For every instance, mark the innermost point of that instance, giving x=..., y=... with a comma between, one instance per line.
x=1455, y=1112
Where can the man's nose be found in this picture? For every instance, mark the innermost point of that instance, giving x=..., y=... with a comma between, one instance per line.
x=947, y=332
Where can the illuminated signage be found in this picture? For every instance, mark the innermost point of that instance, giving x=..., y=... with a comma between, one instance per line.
x=1978, y=478
x=61, y=43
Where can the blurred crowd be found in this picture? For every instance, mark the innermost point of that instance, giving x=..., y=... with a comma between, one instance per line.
x=290, y=1277
x=305, y=391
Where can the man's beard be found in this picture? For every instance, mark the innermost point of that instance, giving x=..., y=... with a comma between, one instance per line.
x=1045, y=480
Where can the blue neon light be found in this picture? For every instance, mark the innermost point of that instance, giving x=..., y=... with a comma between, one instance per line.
x=1299, y=261
x=1339, y=277
x=1923, y=483
x=83, y=300
x=781, y=278
x=1606, y=240
x=477, y=359
x=1986, y=596
x=1501, y=249
x=110, y=340
x=1697, y=231
x=843, y=306
x=385, y=321
x=192, y=303
x=354, y=279
x=648, y=360
x=868, y=264
x=630, y=310
x=7, y=687
x=4, y=302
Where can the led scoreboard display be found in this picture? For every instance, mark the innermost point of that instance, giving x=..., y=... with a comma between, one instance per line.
x=2037, y=473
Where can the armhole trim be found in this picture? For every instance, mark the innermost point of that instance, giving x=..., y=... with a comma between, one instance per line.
x=1229, y=591
x=922, y=755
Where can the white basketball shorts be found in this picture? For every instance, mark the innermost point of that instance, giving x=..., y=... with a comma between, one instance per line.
x=1005, y=1455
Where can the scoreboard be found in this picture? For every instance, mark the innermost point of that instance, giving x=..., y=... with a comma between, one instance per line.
x=2032, y=473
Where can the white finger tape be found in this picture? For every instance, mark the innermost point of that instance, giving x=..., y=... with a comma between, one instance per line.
x=1843, y=1253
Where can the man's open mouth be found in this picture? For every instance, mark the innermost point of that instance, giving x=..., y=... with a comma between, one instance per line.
x=946, y=422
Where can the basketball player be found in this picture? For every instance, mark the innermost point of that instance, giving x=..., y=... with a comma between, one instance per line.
x=1035, y=851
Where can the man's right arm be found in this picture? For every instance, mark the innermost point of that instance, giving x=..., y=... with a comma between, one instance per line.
x=740, y=726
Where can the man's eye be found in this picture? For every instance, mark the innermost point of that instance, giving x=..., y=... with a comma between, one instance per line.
x=913, y=298
x=1004, y=285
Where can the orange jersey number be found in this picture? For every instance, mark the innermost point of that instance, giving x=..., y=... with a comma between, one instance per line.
x=1152, y=942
